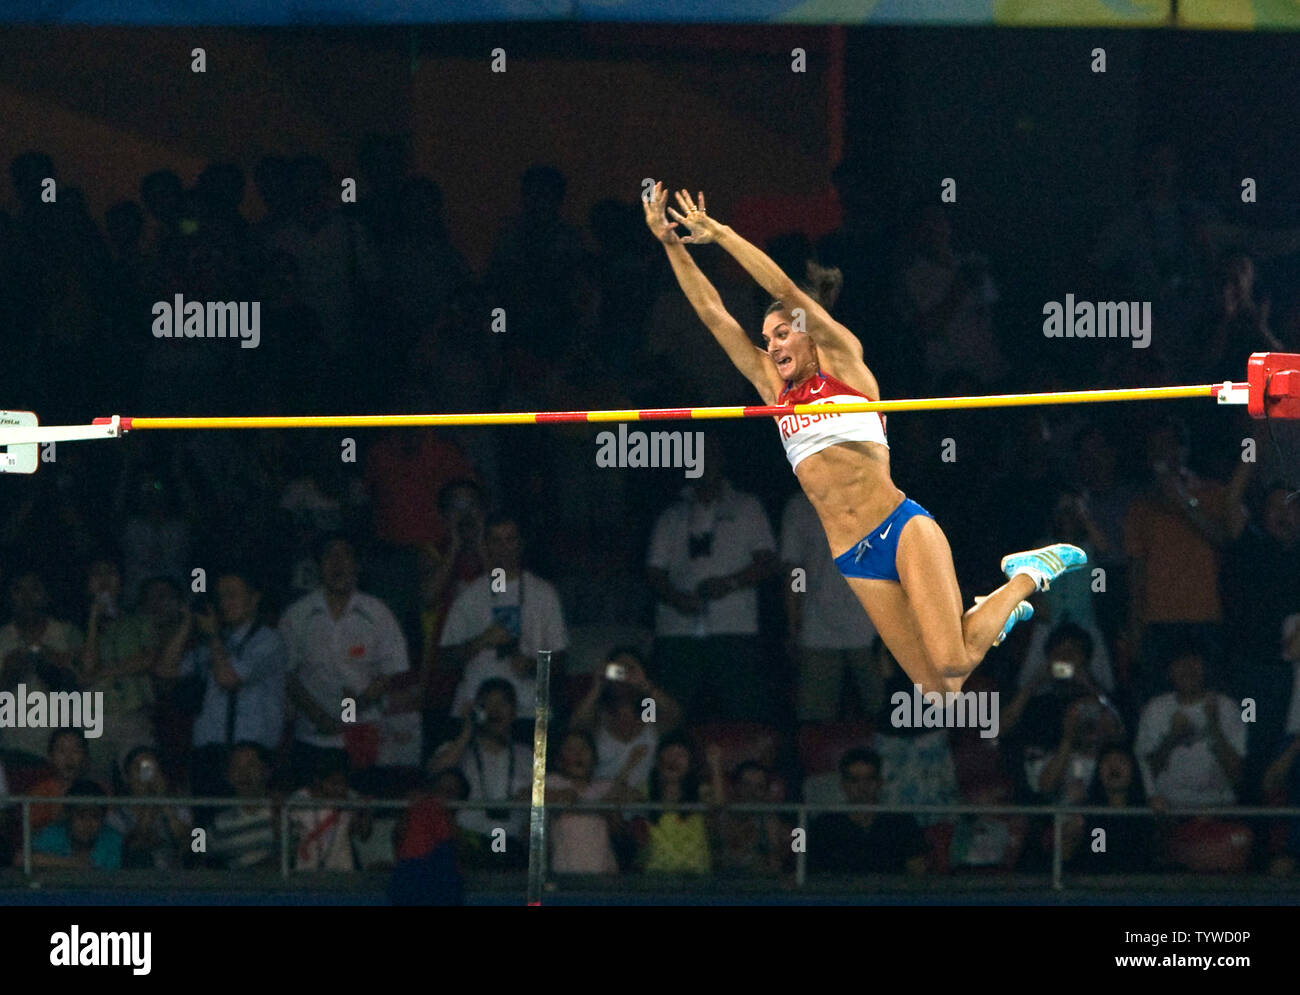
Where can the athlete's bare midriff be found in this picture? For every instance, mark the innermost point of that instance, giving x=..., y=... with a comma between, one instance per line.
x=851, y=490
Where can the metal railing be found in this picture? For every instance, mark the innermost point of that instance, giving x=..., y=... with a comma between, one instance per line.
x=803, y=812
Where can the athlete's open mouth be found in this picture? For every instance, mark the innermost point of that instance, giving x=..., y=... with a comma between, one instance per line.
x=784, y=363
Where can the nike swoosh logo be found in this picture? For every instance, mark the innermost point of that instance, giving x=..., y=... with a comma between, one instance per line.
x=817, y=391
x=886, y=532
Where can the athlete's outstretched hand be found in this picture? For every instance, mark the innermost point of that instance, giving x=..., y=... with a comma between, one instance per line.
x=655, y=218
x=703, y=228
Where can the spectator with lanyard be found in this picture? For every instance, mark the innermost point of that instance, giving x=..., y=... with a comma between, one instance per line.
x=241, y=664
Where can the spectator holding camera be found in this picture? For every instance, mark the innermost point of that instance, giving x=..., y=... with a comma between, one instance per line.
x=236, y=668
x=497, y=769
x=1062, y=718
x=1059, y=663
x=153, y=835
x=498, y=622
x=445, y=567
x=118, y=659
x=614, y=711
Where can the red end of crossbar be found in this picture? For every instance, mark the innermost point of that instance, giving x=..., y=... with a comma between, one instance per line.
x=125, y=422
x=1274, y=379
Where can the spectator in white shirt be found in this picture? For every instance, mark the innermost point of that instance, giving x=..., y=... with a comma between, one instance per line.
x=708, y=553
x=344, y=644
x=1190, y=741
x=499, y=621
x=625, y=730
x=497, y=769
x=827, y=629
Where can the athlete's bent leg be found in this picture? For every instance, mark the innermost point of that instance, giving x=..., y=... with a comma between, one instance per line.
x=892, y=613
x=955, y=641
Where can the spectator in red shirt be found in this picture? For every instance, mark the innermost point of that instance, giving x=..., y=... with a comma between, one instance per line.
x=404, y=471
x=1175, y=533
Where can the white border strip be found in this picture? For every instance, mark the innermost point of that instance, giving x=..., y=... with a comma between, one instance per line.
x=20, y=435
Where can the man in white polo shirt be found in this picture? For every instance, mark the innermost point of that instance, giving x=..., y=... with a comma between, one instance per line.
x=499, y=620
x=344, y=644
x=708, y=552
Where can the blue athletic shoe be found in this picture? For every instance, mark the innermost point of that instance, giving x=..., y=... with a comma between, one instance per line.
x=1044, y=565
x=1023, y=612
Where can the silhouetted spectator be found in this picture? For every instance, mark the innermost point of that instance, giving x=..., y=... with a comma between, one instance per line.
x=245, y=836
x=1093, y=844
x=156, y=538
x=534, y=273
x=757, y=843
x=82, y=839
x=864, y=842
x=156, y=836
x=944, y=300
x=36, y=651
x=117, y=659
x=68, y=759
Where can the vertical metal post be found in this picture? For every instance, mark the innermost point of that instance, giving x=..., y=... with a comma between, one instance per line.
x=537, y=826
x=1057, y=828
x=284, y=839
x=27, y=839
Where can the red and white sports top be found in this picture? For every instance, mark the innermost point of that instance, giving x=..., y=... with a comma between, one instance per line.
x=804, y=435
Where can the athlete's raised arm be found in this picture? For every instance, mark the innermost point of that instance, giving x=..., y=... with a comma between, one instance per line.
x=833, y=340
x=752, y=361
